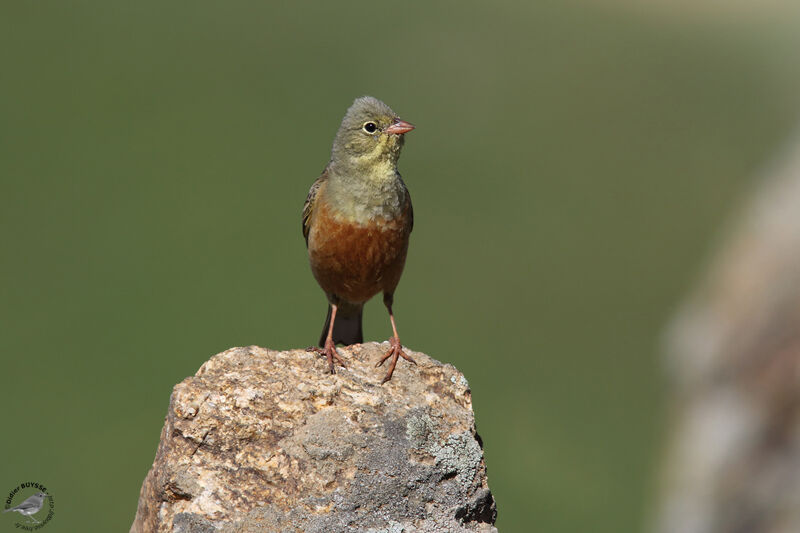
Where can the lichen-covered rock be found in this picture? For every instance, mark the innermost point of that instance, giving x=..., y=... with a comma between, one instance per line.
x=261, y=441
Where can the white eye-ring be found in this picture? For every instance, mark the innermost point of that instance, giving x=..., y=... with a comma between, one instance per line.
x=370, y=127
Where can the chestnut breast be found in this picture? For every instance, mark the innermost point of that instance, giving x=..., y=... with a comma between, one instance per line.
x=356, y=261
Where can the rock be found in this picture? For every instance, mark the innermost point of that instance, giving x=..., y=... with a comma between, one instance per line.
x=733, y=457
x=261, y=441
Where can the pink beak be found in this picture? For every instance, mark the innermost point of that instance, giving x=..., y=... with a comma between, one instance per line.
x=400, y=127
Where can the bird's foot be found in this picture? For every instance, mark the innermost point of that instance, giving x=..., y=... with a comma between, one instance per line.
x=395, y=352
x=328, y=351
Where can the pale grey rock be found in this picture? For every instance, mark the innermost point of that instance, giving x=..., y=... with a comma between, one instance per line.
x=267, y=441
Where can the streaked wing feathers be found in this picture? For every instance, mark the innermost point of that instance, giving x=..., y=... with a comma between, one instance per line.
x=308, y=207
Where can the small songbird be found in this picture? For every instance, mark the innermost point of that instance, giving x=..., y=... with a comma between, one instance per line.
x=30, y=506
x=356, y=221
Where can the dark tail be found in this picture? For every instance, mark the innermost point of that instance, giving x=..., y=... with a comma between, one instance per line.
x=346, y=329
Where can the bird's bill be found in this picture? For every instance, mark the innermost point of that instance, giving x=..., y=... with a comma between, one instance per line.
x=399, y=127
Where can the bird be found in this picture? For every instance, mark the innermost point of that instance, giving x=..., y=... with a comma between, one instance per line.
x=357, y=219
x=30, y=506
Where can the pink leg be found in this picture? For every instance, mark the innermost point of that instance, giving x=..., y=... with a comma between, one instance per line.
x=395, y=351
x=330, y=349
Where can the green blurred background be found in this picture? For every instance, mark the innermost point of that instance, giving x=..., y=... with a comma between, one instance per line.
x=571, y=166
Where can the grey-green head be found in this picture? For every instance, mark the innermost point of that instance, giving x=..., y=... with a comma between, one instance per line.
x=370, y=135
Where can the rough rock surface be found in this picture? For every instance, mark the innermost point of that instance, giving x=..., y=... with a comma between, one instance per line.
x=261, y=441
x=733, y=461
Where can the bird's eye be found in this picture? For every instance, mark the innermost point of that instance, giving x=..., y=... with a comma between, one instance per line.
x=370, y=127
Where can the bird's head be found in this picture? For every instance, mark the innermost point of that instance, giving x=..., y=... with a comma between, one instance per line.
x=370, y=135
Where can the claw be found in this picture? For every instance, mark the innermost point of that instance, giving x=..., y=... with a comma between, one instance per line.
x=330, y=352
x=395, y=352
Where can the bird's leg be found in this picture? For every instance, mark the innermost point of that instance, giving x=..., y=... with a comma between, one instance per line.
x=329, y=350
x=396, y=348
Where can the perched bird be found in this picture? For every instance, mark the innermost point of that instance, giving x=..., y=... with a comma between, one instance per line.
x=356, y=221
x=30, y=506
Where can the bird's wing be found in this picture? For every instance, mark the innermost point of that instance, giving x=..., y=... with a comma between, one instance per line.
x=308, y=207
x=410, y=212
x=31, y=503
